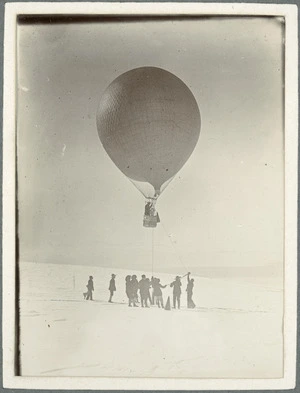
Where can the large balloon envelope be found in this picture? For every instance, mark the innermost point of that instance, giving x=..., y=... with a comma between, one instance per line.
x=149, y=123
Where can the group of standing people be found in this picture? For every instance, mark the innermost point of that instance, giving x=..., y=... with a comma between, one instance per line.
x=136, y=290
x=139, y=291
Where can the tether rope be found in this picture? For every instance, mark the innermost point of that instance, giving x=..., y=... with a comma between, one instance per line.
x=174, y=248
x=152, y=250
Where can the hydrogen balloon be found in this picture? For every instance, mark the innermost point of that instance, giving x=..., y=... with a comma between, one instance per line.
x=149, y=123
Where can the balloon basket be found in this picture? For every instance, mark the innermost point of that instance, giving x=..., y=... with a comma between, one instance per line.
x=150, y=221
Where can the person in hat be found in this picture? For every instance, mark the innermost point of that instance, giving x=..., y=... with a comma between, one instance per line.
x=112, y=287
x=144, y=286
x=90, y=288
x=176, y=291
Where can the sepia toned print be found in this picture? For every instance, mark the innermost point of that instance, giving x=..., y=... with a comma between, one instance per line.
x=221, y=217
x=150, y=161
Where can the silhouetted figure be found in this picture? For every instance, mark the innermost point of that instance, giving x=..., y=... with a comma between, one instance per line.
x=112, y=287
x=157, y=292
x=129, y=292
x=148, y=207
x=189, y=290
x=90, y=288
x=176, y=291
x=152, y=296
x=135, y=287
x=144, y=286
x=148, y=286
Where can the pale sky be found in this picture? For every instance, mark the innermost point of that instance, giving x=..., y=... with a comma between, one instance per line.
x=223, y=209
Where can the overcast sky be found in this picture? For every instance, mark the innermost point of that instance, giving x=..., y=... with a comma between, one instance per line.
x=224, y=208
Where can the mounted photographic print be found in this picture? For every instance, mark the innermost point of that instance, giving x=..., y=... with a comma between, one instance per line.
x=151, y=239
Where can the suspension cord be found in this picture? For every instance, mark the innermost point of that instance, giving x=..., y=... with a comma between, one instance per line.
x=152, y=250
x=174, y=248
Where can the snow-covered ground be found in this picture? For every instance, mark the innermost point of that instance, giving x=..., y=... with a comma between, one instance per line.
x=235, y=331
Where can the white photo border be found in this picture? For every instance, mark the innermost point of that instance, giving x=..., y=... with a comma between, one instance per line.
x=12, y=10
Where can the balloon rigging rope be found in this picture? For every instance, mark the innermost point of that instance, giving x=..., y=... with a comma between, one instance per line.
x=174, y=248
x=152, y=250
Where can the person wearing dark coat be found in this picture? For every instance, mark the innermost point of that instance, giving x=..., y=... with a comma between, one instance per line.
x=112, y=287
x=157, y=292
x=129, y=292
x=176, y=291
x=128, y=289
x=189, y=290
x=135, y=287
x=90, y=288
x=144, y=286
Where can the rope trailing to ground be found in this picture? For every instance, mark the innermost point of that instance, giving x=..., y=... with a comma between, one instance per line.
x=152, y=251
x=175, y=250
